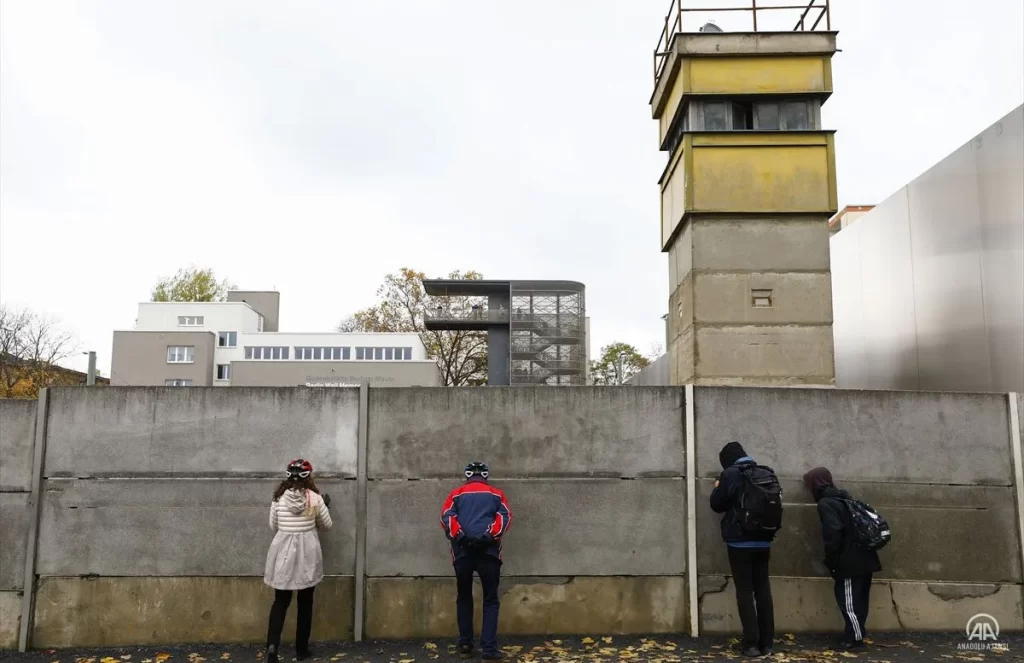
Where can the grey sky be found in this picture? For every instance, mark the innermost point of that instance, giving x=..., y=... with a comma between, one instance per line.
x=316, y=146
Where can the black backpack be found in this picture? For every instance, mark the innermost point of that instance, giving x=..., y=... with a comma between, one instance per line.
x=759, y=509
x=870, y=531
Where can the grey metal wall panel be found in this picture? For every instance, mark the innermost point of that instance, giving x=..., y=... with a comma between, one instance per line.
x=928, y=288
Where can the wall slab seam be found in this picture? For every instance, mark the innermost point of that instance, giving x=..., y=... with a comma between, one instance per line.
x=361, y=512
x=1018, y=469
x=35, y=509
x=691, y=510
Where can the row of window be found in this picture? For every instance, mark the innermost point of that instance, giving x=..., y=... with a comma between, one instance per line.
x=190, y=320
x=313, y=353
x=185, y=354
x=743, y=115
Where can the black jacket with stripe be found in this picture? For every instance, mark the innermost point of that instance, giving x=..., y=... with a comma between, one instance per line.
x=843, y=557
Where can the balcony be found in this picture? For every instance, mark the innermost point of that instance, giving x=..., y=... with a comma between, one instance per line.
x=477, y=318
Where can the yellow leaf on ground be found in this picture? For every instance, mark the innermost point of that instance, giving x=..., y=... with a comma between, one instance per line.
x=587, y=641
x=126, y=657
x=790, y=636
x=225, y=656
x=847, y=654
x=160, y=658
x=406, y=660
x=607, y=639
x=430, y=645
x=608, y=651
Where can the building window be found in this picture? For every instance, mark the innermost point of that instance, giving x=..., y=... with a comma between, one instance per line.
x=190, y=321
x=716, y=116
x=795, y=116
x=177, y=382
x=408, y=354
x=227, y=339
x=767, y=117
x=322, y=353
x=266, y=352
x=223, y=371
x=181, y=354
x=378, y=353
x=389, y=354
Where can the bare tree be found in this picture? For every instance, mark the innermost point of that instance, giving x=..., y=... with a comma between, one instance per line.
x=31, y=346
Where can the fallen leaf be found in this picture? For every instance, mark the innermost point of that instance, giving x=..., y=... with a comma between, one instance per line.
x=406, y=660
x=607, y=639
x=847, y=654
x=126, y=657
x=430, y=645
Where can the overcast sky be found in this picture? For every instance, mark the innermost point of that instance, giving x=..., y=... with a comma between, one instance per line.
x=313, y=147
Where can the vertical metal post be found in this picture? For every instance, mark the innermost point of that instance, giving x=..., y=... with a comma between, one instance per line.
x=360, y=572
x=691, y=510
x=90, y=378
x=1018, y=469
x=753, y=5
x=828, y=16
x=34, y=505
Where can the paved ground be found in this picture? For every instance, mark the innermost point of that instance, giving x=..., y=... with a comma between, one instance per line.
x=897, y=648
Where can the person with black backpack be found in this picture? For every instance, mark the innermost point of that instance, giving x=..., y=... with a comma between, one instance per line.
x=853, y=532
x=750, y=498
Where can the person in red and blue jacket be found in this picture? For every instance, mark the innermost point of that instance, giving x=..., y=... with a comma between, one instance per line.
x=475, y=517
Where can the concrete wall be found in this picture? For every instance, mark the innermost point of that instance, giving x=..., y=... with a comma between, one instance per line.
x=152, y=524
x=929, y=286
x=17, y=441
x=716, y=333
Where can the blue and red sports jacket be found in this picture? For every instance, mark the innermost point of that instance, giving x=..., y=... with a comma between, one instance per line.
x=475, y=509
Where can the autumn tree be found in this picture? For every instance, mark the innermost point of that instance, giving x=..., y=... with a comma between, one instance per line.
x=461, y=356
x=604, y=371
x=31, y=345
x=191, y=285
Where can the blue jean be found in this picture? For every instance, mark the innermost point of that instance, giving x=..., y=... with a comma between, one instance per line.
x=489, y=570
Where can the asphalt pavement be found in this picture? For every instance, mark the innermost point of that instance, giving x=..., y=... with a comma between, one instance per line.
x=883, y=648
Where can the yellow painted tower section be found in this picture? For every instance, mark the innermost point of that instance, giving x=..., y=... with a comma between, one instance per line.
x=746, y=196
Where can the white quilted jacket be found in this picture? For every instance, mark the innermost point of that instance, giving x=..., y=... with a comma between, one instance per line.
x=299, y=511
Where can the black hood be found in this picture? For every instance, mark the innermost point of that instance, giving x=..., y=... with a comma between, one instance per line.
x=731, y=453
x=817, y=480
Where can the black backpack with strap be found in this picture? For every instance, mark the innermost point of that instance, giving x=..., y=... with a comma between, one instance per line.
x=870, y=530
x=759, y=508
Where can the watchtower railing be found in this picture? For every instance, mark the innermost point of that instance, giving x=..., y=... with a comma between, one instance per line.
x=674, y=23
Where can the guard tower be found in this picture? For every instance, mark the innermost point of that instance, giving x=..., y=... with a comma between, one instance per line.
x=746, y=195
x=536, y=330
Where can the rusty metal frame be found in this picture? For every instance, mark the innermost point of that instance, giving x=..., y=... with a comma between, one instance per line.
x=674, y=23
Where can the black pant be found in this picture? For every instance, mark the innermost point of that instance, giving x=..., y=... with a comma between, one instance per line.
x=303, y=625
x=753, y=595
x=489, y=570
x=853, y=595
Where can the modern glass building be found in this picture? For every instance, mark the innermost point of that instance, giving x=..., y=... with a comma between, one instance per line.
x=536, y=330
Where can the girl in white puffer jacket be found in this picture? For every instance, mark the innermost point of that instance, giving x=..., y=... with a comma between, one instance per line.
x=295, y=561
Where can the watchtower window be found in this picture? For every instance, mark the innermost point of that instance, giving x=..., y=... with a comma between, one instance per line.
x=743, y=115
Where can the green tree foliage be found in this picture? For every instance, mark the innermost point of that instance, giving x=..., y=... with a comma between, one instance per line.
x=604, y=371
x=402, y=305
x=191, y=285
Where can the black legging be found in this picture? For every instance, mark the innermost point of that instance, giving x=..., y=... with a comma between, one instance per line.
x=303, y=625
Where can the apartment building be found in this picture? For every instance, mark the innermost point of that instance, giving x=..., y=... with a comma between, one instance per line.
x=237, y=343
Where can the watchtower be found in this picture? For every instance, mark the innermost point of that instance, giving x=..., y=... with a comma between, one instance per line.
x=746, y=196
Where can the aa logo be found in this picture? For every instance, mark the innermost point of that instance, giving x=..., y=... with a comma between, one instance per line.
x=983, y=628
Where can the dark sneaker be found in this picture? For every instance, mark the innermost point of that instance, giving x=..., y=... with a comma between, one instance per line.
x=752, y=652
x=766, y=651
x=466, y=651
x=271, y=654
x=853, y=644
x=493, y=656
x=303, y=655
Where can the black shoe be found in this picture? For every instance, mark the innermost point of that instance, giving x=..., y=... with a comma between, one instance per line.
x=303, y=654
x=752, y=652
x=466, y=651
x=271, y=654
x=766, y=651
x=853, y=644
x=493, y=656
